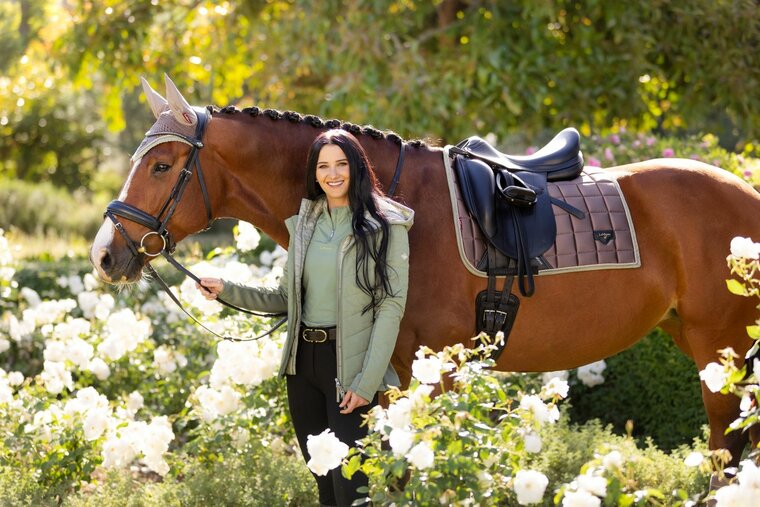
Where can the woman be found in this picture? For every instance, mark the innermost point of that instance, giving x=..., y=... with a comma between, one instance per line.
x=344, y=289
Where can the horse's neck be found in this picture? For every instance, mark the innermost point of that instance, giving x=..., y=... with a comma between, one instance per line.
x=263, y=166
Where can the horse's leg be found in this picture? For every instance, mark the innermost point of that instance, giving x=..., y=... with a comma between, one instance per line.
x=722, y=409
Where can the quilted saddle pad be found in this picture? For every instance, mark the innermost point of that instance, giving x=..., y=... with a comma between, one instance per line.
x=604, y=239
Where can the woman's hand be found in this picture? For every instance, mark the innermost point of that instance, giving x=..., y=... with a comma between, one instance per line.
x=210, y=287
x=351, y=401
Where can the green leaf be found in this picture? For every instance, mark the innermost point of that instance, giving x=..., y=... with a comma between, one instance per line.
x=350, y=468
x=754, y=332
x=736, y=287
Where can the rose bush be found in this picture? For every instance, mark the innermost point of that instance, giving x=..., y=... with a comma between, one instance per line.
x=94, y=382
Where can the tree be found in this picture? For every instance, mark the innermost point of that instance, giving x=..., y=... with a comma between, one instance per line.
x=439, y=68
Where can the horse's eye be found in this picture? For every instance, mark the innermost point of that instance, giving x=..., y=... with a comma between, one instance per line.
x=161, y=168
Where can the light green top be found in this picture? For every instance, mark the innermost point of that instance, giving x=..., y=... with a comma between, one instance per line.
x=364, y=341
x=320, y=271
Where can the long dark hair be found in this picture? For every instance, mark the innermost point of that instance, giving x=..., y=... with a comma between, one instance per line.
x=363, y=189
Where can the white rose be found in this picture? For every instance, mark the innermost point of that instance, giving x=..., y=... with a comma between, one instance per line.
x=247, y=237
x=612, y=460
x=31, y=296
x=532, y=443
x=529, y=486
x=400, y=413
x=593, y=484
x=135, y=401
x=694, y=459
x=99, y=368
x=421, y=456
x=541, y=412
x=749, y=477
x=714, y=376
x=118, y=451
x=745, y=248
x=591, y=374
x=580, y=499
x=400, y=440
x=54, y=351
x=227, y=401
x=95, y=424
x=556, y=387
x=427, y=370
x=560, y=374
x=326, y=452
x=15, y=378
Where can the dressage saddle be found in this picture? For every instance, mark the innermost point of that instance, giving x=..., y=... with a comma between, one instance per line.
x=508, y=197
x=559, y=159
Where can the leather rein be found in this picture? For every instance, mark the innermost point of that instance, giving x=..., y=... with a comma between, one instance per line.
x=157, y=225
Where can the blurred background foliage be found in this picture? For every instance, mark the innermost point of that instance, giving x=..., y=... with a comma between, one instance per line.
x=71, y=108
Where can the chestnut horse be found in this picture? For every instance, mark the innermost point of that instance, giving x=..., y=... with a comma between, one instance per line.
x=685, y=214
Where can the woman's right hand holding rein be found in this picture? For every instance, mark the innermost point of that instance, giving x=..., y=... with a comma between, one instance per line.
x=210, y=287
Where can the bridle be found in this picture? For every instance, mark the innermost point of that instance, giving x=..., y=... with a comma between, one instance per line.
x=158, y=225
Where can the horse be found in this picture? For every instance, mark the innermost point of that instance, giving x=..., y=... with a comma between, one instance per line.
x=253, y=169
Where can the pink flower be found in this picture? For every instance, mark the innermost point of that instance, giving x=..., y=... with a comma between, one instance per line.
x=608, y=154
x=531, y=150
x=593, y=162
x=615, y=139
x=747, y=173
x=668, y=152
x=650, y=141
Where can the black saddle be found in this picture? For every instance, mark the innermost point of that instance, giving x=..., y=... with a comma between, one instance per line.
x=507, y=196
x=559, y=159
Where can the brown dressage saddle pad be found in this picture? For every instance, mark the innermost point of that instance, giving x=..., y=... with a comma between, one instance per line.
x=604, y=238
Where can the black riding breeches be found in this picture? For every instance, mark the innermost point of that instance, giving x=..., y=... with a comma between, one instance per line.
x=313, y=408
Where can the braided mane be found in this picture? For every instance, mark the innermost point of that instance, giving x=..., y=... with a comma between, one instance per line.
x=317, y=122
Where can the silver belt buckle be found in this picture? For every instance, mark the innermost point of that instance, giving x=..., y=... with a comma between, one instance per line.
x=312, y=330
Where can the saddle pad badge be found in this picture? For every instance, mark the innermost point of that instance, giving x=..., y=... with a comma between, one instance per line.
x=604, y=237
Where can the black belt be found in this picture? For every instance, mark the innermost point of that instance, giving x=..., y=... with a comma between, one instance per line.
x=317, y=334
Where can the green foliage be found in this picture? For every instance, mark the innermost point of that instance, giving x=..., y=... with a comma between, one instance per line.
x=652, y=384
x=487, y=430
x=744, y=382
x=45, y=209
x=625, y=147
x=441, y=67
x=19, y=488
x=258, y=477
x=473, y=432
x=569, y=446
x=445, y=69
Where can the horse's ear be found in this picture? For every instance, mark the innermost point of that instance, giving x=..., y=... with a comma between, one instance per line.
x=157, y=103
x=178, y=105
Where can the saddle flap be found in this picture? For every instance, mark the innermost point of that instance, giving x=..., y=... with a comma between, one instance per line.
x=476, y=181
x=527, y=229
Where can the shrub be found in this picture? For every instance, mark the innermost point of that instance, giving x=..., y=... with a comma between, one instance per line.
x=569, y=446
x=654, y=385
x=624, y=147
x=258, y=477
x=45, y=209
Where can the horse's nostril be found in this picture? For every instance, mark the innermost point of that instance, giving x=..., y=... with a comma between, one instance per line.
x=105, y=261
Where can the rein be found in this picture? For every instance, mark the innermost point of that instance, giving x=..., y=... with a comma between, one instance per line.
x=157, y=226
